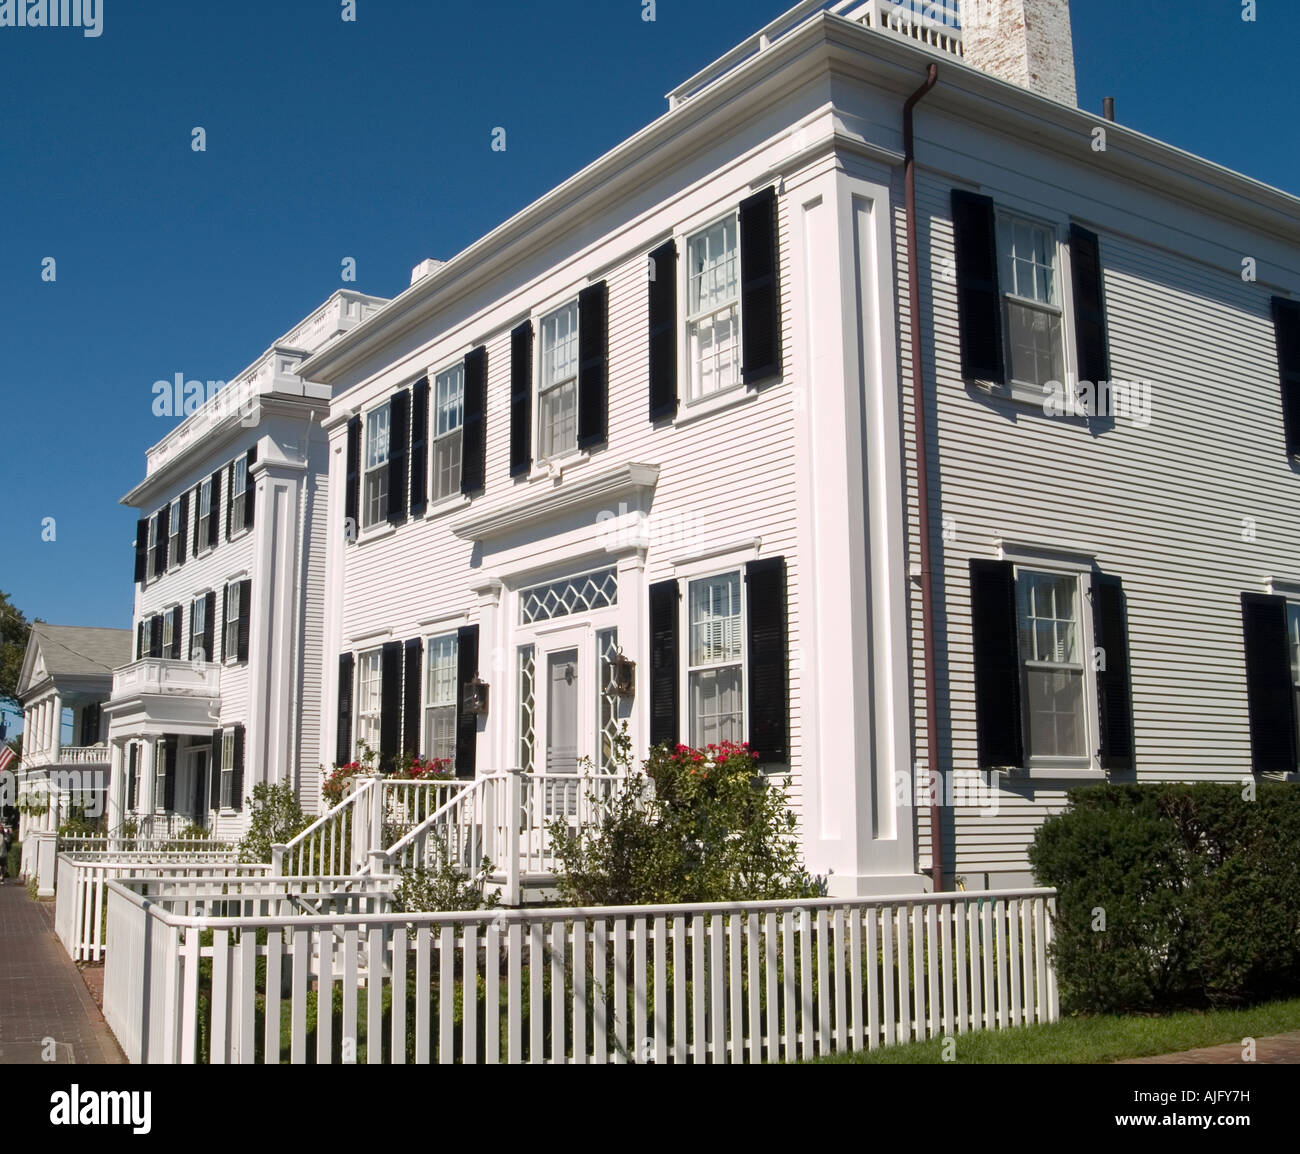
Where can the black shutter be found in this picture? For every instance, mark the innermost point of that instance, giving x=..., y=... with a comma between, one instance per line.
x=215, y=759
x=411, y=698
x=1114, y=682
x=169, y=773
x=245, y=617
x=1270, y=696
x=768, y=657
x=390, y=705
x=663, y=332
x=196, y=638
x=343, y=734
x=160, y=557
x=521, y=399
x=466, y=723
x=979, y=301
x=593, y=365
x=420, y=448
x=139, y=640
x=185, y=529
x=249, y=492
x=230, y=503
x=90, y=716
x=198, y=505
x=155, y=636
x=141, y=550
x=209, y=626
x=352, y=490
x=1089, y=305
x=664, y=727
x=178, y=617
x=399, y=475
x=997, y=664
x=760, y=291
x=473, y=454
x=214, y=512
x=132, y=776
x=1286, y=328
x=237, y=784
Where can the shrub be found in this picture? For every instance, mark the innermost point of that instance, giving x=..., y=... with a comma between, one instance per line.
x=1198, y=885
x=14, y=864
x=189, y=837
x=274, y=818
x=442, y=889
x=696, y=826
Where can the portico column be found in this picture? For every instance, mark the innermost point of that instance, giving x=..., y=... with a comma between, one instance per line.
x=116, y=783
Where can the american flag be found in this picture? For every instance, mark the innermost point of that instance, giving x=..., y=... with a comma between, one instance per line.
x=6, y=756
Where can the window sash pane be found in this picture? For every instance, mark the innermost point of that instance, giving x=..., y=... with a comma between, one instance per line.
x=558, y=419
x=1054, y=699
x=717, y=706
x=377, y=432
x=560, y=346
x=1037, y=347
x=715, y=620
x=440, y=679
x=446, y=465
x=449, y=401
x=713, y=268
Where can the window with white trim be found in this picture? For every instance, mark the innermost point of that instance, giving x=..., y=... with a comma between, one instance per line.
x=1054, y=688
x=716, y=659
x=198, y=627
x=557, y=389
x=378, y=423
x=159, y=778
x=227, y=795
x=230, y=651
x=370, y=684
x=152, y=567
x=205, y=514
x=238, y=487
x=176, y=535
x=440, y=697
x=1031, y=300
x=448, y=416
x=713, y=308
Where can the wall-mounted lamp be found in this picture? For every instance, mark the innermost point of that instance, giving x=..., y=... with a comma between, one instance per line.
x=474, y=697
x=623, y=675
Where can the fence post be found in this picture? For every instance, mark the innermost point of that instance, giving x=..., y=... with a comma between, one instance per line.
x=46, y=844
x=514, y=805
x=379, y=862
x=277, y=860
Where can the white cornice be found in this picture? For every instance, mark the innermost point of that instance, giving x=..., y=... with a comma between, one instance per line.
x=625, y=480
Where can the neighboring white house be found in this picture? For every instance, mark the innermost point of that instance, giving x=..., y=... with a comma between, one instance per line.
x=223, y=689
x=667, y=410
x=66, y=677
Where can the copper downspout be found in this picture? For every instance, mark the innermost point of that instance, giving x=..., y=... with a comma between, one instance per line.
x=923, y=485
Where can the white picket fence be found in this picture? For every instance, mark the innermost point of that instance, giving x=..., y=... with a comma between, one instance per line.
x=740, y=982
x=81, y=892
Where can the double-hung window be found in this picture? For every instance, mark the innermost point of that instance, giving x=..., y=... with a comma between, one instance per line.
x=557, y=394
x=198, y=627
x=238, y=486
x=1031, y=300
x=378, y=423
x=227, y=795
x=176, y=535
x=152, y=566
x=713, y=307
x=448, y=417
x=205, y=515
x=370, y=684
x=716, y=660
x=231, y=621
x=1053, y=678
x=440, y=697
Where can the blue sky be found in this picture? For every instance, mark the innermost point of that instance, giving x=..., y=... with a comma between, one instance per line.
x=371, y=140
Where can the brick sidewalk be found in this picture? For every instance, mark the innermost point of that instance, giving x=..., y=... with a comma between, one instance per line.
x=42, y=995
x=1281, y=1050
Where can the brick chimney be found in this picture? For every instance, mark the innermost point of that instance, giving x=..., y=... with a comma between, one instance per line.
x=1027, y=42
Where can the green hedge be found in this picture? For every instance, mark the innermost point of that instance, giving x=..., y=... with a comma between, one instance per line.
x=1174, y=895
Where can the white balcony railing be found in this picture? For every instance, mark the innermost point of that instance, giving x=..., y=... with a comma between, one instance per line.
x=936, y=24
x=158, y=675
x=68, y=755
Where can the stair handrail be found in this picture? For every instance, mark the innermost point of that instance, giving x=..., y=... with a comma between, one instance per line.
x=287, y=860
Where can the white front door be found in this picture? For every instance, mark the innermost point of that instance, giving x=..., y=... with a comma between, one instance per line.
x=565, y=713
x=563, y=695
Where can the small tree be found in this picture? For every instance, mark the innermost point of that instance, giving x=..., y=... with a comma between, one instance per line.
x=696, y=826
x=275, y=817
x=442, y=889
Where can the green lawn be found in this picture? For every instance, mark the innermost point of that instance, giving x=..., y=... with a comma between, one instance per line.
x=1105, y=1038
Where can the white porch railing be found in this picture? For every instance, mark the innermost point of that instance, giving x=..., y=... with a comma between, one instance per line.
x=81, y=893
x=933, y=23
x=744, y=982
x=68, y=755
x=337, y=842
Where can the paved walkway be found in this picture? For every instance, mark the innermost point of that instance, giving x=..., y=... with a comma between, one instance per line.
x=46, y=1012
x=1281, y=1050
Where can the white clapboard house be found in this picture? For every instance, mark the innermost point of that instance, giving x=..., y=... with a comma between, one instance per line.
x=222, y=690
